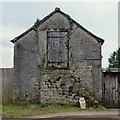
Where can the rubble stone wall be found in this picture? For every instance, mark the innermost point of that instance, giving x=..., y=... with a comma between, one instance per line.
x=33, y=82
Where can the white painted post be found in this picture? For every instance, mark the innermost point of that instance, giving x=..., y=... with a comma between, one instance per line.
x=82, y=103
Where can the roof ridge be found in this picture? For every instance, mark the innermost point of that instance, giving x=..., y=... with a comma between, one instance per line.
x=57, y=10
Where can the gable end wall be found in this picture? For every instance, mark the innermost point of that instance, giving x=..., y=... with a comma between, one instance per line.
x=30, y=60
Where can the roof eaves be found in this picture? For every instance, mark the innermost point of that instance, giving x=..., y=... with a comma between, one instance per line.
x=18, y=37
x=96, y=37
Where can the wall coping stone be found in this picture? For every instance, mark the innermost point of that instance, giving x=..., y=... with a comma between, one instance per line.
x=111, y=70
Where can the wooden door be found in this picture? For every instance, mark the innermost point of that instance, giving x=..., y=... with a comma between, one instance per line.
x=110, y=89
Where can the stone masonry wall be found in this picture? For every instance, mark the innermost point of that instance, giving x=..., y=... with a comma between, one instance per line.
x=26, y=72
x=33, y=82
x=62, y=87
x=81, y=45
x=6, y=80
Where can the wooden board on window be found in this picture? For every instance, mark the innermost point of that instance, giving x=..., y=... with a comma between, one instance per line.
x=57, y=49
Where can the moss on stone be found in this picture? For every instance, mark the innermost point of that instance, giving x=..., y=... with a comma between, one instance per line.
x=93, y=103
x=62, y=84
x=72, y=76
x=78, y=93
x=41, y=68
x=70, y=89
x=63, y=92
x=77, y=81
x=43, y=60
x=36, y=36
x=35, y=28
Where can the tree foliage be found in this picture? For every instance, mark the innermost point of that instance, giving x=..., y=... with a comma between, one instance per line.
x=114, y=59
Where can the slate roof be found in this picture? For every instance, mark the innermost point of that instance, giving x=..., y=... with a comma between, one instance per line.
x=57, y=10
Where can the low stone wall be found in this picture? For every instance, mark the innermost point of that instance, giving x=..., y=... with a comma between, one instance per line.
x=56, y=87
x=0, y=86
x=6, y=75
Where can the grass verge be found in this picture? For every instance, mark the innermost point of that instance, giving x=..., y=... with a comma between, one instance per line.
x=0, y=111
x=19, y=110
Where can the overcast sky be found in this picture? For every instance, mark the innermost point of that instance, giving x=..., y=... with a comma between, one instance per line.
x=101, y=18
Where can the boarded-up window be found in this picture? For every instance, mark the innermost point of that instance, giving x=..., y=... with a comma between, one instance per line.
x=57, y=49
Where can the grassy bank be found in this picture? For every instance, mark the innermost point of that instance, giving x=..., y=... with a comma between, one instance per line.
x=0, y=111
x=19, y=110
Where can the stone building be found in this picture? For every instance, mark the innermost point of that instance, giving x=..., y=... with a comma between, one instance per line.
x=56, y=61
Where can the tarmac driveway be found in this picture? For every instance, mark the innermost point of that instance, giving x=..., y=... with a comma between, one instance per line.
x=65, y=118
